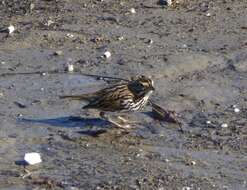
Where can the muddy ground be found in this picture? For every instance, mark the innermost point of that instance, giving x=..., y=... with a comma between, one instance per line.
x=196, y=54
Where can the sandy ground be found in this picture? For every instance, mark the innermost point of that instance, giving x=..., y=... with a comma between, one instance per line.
x=196, y=54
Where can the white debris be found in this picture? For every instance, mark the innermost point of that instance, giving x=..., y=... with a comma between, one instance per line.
x=150, y=41
x=234, y=106
x=132, y=10
x=107, y=54
x=70, y=35
x=120, y=38
x=42, y=89
x=19, y=115
x=224, y=125
x=186, y=188
x=193, y=162
x=2, y=62
x=43, y=74
x=49, y=22
x=169, y=2
x=32, y=158
x=236, y=110
x=208, y=14
x=11, y=29
x=70, y=67
x=184, y=46
x=208, y=122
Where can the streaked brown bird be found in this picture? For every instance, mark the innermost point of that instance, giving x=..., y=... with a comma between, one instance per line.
x=121, y=97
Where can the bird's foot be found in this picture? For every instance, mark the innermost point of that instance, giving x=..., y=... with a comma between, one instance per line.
x=123, y=120
x=122, y=126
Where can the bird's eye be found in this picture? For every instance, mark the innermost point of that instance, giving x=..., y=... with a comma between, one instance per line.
x=139, y=86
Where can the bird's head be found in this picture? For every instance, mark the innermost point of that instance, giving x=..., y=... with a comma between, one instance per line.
x=141, y=86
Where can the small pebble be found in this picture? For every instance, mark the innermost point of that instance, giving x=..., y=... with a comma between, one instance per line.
x=42, y=89
x=2, y=62
x=208, y=122
x=208, y=14
x=43, y=74
x=107, y=54
x=1, y=94
x=132, y=10
x=224, y=125
x=32, y=158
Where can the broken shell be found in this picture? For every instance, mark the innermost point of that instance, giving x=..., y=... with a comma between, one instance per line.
x=32, y=158
x=49, y=22
x=236, y=110
x=70, y=35
x=11, y=29
x=107, y=54
x=150, y=41
x=120, y=38
x=193, y=162
x=70, y=67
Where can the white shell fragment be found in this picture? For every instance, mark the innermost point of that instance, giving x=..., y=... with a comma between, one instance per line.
x=107, y=54
x=11, y=29
x=236, y=110
x=224, y=125
x=120, y=38
x=32, y=158
x=208, y=122
x=70, y=35
x=70, y=67
x=132, y=10
x=186, y=188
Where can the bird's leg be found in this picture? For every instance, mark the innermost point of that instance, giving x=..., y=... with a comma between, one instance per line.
x=122, y=119
x=125, y=126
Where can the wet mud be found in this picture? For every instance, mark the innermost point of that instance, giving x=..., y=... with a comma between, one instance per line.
x=196, y=54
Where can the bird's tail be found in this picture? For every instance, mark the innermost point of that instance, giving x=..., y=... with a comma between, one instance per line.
x=75, y=97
